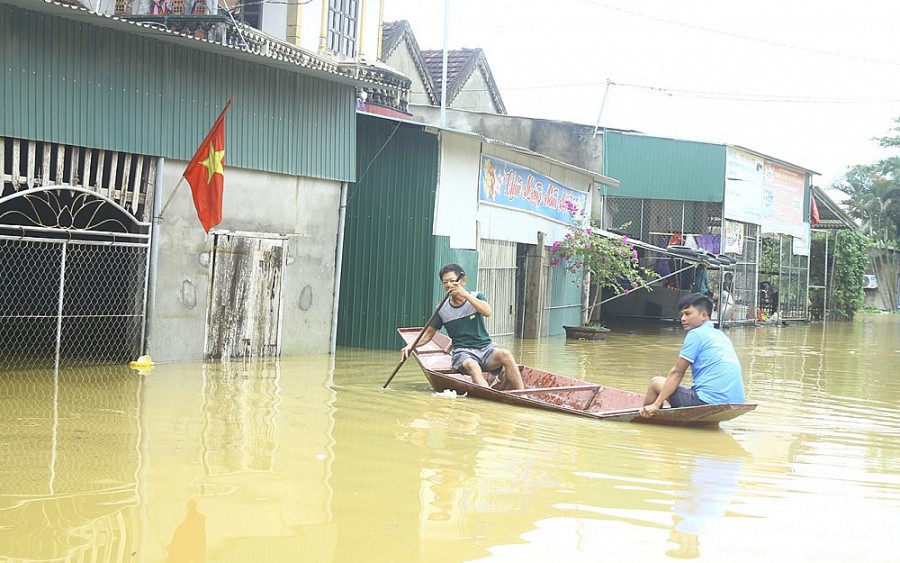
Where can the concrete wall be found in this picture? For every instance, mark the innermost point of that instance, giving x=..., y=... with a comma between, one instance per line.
x=307, y=19
x=458, y=210
x=303, y=209
x=402, y=61
x=885, y=265
x=474, y=95
x=567, y=142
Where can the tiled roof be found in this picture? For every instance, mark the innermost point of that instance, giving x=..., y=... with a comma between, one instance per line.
x=394, y=34
x=461, y=64
x=391, y=34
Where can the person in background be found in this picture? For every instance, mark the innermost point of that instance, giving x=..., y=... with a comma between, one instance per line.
x=715, y=368
x=701, y=280
x=463, y=317
x=723, y=302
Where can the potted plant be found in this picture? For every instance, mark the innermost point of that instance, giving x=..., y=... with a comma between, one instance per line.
x=604, y=260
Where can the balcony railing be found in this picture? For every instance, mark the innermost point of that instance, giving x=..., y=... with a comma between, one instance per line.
x=383, y=86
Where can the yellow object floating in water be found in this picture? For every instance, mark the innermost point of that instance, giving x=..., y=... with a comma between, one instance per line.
x=141, y=363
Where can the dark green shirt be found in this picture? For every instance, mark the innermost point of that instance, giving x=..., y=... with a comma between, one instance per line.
x=464, y=324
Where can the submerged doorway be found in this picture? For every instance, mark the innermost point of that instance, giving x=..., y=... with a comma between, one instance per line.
x=245, y=306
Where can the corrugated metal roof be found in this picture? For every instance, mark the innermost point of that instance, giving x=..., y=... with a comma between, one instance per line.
x=77, y=84
x=831, y=216
x=660, y=168
x=595, y=176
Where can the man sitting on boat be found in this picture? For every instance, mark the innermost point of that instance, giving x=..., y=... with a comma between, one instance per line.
x=715, y=367
x=462, y=315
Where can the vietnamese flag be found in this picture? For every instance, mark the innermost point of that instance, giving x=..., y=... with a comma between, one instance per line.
x=206, y=174
x=813, y=212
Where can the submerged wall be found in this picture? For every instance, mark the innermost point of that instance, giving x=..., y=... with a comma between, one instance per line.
x=301, y=211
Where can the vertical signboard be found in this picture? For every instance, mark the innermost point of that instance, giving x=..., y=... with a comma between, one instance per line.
x=800, y=245
x=743, y=186
x=734, y=237
x=764, y=193
x=783, y=201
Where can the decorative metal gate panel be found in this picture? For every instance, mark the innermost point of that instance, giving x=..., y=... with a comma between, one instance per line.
x=497, y=280
x=74, y=250
x=244, y=318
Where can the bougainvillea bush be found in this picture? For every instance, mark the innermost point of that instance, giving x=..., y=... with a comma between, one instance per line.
x=607, y=262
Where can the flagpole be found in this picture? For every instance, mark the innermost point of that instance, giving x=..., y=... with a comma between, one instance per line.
x=443, y=113
x=168, y=201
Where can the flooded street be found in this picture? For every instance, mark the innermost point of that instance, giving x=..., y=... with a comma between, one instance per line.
x=309, y=459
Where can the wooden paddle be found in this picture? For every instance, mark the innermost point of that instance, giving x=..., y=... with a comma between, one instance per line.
x=419, y=337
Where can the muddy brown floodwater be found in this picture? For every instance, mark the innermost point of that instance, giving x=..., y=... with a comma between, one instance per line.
x=309, y=459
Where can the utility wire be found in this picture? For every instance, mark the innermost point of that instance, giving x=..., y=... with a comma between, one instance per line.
x=744, y=37
x=725, y=96
x=768, y=98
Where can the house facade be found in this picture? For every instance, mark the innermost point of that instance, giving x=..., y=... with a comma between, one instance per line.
x=470, y=82
x=427, y=196
x=719, y=200
x=101, y=115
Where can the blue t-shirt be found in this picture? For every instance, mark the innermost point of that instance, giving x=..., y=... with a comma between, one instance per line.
x=715, y=367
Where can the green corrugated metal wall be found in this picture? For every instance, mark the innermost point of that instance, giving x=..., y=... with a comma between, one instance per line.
x=565, y=300
x=657, y=168
x=388, y=273
x=77, y=84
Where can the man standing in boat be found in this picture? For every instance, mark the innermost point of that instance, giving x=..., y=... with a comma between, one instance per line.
x=715, y=368
x=463, y=317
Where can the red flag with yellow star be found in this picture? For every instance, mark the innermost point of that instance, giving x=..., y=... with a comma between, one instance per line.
x=206, y=174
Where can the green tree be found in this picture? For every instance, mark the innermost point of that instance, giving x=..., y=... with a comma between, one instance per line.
x=874, y=191
x=850, y=263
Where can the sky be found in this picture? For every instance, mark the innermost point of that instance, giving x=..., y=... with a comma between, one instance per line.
x=809, y=82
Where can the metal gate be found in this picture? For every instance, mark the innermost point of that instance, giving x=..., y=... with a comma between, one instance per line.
x=74, y=250
x=497, y=280
x=244, y=313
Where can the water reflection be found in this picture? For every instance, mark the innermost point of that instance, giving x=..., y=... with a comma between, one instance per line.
x=712, y=482
x=252, y=448
x=240, y=410
x=189, y=541
x=310, y=459
x=69, y=457
x=474, y=491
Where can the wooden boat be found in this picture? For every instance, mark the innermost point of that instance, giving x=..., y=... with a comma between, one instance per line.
x=549, y=391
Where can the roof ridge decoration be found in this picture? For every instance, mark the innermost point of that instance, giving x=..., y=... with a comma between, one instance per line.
x=400, y=32
x=245, y=40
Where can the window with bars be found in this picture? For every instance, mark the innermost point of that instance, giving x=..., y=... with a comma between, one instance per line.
x=343, y=16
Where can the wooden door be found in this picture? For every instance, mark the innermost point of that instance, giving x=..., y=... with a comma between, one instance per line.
x=244, y=315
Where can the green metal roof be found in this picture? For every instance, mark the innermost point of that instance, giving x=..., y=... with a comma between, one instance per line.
x=659, y=168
